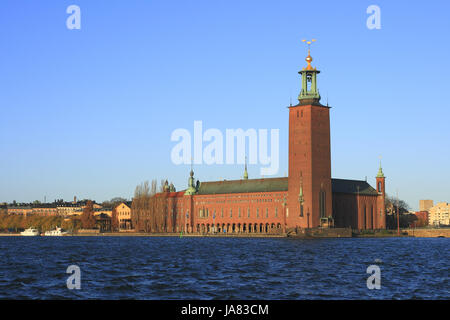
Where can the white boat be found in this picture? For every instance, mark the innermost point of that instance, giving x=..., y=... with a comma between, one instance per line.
x=57, y=232
x=30, y=232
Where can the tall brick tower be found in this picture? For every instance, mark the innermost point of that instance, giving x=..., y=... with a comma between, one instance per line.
x=309, y=184
x=380, y=220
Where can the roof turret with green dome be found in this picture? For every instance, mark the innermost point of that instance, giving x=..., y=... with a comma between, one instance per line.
x=191, y=188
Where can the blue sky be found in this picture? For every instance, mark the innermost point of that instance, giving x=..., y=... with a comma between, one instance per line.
x=90, y=112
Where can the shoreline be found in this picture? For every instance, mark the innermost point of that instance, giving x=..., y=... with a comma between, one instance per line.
x=405, y=233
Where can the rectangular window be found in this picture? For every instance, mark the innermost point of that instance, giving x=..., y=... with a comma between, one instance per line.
x=231, y=213
x=276, y=212
x=239, y=212
x=257, y=212
x=267, y=212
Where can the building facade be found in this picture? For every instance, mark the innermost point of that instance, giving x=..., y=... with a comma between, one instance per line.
x=422, y=218
x=425, y=205
x=57, y=208
x=439, y=214
x=124, y=216
x=307, y=198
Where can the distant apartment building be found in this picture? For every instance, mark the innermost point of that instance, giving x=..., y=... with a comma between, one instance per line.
x=124, y=216
x=68, y=209
x=59, y=208
x=45, y=209
x=439, y=214
x=20, y=210
x=425, y=205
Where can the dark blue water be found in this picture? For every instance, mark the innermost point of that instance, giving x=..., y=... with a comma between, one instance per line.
x=223, y=268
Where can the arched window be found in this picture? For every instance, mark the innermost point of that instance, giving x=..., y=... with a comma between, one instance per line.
x=379, y=186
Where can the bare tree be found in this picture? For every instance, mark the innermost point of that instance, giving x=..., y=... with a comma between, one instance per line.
x=161, y=187
x=154, y=187
x=114, y=220
x=149, y=211
x=87, y=217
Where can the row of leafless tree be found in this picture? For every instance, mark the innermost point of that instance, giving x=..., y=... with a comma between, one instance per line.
x=149, y=211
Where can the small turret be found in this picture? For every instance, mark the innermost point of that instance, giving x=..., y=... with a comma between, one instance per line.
x=309, y=92
x=166, y=186
x=191, y=189
x=380, y=172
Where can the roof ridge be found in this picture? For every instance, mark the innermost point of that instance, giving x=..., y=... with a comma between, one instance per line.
x=243, y=180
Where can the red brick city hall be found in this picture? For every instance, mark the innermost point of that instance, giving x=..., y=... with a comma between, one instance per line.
x=307, y=198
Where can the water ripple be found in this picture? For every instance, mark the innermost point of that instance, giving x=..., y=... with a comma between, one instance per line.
x=223, y=268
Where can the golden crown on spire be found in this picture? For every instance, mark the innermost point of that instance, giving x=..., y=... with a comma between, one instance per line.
x=309, y=59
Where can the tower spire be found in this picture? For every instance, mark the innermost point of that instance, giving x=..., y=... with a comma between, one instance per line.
x=309, y=92
x=380, y=171
x=245, y=170
x=191, y=188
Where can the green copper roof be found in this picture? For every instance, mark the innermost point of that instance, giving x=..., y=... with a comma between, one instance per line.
x=279, y=184
x=351, y=186
x=244, y=186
